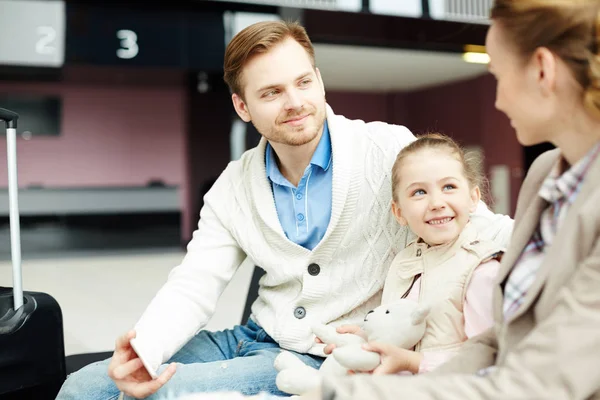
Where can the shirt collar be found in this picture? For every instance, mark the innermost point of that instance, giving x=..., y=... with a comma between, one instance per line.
x=321, y=157
x=565, y=185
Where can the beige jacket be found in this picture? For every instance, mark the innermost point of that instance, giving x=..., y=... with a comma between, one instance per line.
x=550, y=348
x=445, y=272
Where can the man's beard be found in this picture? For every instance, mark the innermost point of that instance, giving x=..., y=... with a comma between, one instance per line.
x=285, y=135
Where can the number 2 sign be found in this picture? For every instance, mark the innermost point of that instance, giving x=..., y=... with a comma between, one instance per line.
x=33, y=33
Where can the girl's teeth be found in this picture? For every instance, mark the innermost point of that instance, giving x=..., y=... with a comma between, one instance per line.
x=440, y=221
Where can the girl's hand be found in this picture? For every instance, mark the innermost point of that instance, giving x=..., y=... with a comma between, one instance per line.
x=354, y=329
x=394, y=359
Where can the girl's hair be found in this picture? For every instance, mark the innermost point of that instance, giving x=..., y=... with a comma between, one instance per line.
x=568, y=28
x=470, y=160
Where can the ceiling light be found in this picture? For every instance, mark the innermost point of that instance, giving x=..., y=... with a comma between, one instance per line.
x=474, y=53
x=476, y=58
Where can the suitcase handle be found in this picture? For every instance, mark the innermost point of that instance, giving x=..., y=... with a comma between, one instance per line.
x=10, y=118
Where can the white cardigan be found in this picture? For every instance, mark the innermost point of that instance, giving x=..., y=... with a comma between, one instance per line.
x=239, y=220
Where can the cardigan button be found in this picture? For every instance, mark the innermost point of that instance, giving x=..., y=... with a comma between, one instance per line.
x=314, y=269
x=299, y=312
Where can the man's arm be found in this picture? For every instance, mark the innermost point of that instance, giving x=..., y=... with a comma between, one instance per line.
x=491, y=226
x=557, y=360
x=188, y=299
x=498, y=227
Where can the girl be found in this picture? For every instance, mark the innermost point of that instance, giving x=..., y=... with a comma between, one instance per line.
x=435, y=187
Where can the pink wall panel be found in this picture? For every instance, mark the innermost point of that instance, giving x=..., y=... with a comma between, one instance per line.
x=110, y=136
x=452, y=109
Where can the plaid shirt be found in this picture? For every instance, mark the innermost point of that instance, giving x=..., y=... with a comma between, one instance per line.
x=560, y=191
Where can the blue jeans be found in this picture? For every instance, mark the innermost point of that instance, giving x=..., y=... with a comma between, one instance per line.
x=238, y=359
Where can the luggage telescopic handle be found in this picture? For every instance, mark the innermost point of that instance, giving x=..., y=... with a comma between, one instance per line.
x=10, y=118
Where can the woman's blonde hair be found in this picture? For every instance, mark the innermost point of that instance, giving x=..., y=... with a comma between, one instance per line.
x=470, y=160
x=568, y=28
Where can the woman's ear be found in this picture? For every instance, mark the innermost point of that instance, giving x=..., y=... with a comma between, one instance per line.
x=475, y=197
x=543, y=63
x=398, y=214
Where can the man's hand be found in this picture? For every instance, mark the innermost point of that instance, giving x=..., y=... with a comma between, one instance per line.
x=394, y=359
x=128, y=372
x=355, y=329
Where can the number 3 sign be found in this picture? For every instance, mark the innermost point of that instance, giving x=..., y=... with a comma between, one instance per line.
x=129, y=47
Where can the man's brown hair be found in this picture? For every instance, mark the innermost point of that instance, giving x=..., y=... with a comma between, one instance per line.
x=256, y=39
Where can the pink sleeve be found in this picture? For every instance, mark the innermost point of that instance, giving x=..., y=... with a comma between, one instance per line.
x=478, y=309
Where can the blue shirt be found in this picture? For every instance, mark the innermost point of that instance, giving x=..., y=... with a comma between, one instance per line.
x=304, y=211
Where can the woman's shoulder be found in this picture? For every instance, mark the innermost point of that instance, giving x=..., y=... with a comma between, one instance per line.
x=544, y=163
x=537, y=173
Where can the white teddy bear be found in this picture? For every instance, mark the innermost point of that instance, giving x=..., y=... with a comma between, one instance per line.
x=401, y=323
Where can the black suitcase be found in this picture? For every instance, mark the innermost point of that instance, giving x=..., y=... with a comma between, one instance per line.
x=32, y=352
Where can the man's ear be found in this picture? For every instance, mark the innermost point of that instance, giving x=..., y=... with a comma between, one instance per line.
x=240, y=107
x=475, y=197
x=320, y=80
x=398, y=214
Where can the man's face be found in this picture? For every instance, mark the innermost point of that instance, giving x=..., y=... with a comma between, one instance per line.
x=283, y=95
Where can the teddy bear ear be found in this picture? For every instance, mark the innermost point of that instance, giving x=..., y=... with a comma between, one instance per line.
x=418, y=316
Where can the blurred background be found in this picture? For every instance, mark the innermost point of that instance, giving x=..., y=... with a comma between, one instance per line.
x=126, y=122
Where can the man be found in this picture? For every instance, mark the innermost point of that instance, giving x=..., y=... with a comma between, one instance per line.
x=310, y=204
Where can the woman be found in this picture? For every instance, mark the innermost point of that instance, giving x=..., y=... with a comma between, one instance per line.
x=546, y=340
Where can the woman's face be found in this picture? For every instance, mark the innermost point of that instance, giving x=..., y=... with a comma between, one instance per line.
x=520, y=91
